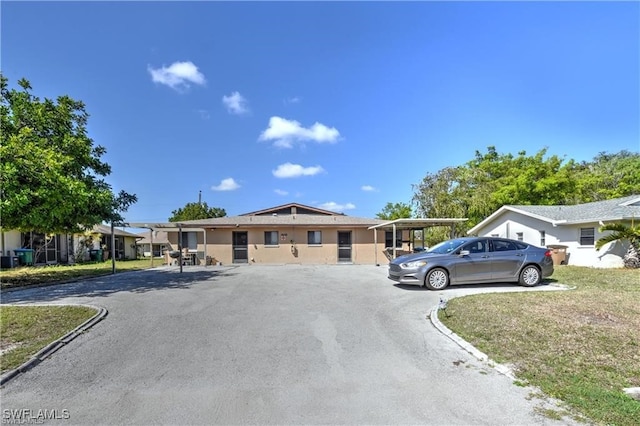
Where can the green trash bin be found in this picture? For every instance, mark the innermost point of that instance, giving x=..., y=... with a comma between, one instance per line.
x=96, y=255
x=25, y=256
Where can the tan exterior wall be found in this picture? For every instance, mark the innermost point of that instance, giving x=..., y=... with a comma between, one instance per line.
x=219, y=245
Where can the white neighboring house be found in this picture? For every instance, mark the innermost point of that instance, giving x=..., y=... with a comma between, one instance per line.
x=575, y=227
x=62, y=248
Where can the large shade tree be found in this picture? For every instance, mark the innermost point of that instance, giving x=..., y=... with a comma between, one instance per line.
x=195, y=211
x=52, y=173
x=393, y=211
x=490, y=180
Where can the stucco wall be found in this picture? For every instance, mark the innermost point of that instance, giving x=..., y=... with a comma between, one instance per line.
x=219, y=245
x=510, y=223
x=10, y=240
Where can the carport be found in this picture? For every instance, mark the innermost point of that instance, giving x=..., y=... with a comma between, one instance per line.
x=171, y=227
x=411, y=224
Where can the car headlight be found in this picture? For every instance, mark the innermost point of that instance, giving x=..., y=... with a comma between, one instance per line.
x=413, y=265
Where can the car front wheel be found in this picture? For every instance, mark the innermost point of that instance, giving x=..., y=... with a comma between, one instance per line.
x=530, y=276
x=436, y=279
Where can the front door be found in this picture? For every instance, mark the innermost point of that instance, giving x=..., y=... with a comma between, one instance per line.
x=344, y=246
x=240, y=247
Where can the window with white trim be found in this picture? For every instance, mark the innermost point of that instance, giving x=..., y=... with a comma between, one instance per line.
x=314, y=238
x=587, y=236
x=543, y=238
x=520, y=236
x=271, y=238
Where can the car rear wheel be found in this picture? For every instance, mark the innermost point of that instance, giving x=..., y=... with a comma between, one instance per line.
x=436, y=279
x=530, y=276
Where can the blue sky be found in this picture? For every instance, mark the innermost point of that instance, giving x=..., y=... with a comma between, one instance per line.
x=338, y=105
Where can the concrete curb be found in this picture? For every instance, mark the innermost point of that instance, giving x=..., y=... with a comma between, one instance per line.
x=57, y=344
x=502, y=369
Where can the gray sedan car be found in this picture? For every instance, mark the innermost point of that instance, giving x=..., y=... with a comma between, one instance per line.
x=473, y=260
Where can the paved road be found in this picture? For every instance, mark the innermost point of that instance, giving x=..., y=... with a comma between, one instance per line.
x=254, y=344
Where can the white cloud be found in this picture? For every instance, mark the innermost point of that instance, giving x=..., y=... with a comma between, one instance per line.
x=293, y=100
x=284, y=133
x=235, y=103
x=204, y=114
x=288, y=170
x=227, y=184
x=178, y=75
x=368, y=188
x=280, y=192
x=335, y=207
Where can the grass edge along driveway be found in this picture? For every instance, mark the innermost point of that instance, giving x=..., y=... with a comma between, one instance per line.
x=580, y=346
x=52, y=274
x=25, y=330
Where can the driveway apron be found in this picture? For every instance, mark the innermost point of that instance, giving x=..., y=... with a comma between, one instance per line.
x=280, y=344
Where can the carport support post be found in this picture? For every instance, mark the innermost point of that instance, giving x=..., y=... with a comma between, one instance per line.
x=394, y=241
x=113, y=249
x=180, y=245
x=375, y=246
x=151, y=246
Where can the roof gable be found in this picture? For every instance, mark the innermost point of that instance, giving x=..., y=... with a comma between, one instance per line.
x=292, y=209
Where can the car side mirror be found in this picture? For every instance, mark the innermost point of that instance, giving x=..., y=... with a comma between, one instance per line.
x=464, y=253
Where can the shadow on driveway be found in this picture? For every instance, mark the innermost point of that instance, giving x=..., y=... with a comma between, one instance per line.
x=487, y=286
x=134, y=282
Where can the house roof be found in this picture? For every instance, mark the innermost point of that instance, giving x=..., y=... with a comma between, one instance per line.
x=106, y=230
x=292, y=214
x=616, y=209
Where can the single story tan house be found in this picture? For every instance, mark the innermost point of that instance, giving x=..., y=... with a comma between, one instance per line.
x=289, y=233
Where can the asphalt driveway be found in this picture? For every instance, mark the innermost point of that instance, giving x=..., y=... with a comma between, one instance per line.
x=254, y=344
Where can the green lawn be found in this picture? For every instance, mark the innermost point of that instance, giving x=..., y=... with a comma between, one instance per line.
x=580, y=346
x=28, y=329
x=30, y=275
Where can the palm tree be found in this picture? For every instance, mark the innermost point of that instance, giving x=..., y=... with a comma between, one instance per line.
x=623, y=232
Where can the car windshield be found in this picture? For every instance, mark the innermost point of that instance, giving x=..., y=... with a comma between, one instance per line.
x=447, y=246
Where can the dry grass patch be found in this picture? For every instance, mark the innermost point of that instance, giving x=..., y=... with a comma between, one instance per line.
x=25, y=330
x=581, y=346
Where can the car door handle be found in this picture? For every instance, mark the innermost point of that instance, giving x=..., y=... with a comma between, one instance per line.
x=485, y=256
x=520, y=254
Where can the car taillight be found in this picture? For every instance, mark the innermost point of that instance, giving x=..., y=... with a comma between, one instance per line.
x=547, y=253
